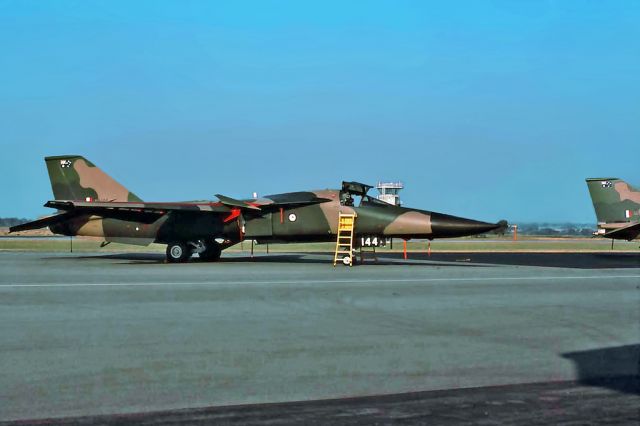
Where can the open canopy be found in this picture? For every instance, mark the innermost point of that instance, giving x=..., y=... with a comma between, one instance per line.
x=356, y=188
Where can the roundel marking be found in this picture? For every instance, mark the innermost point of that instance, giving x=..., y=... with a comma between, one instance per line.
x=293, y=217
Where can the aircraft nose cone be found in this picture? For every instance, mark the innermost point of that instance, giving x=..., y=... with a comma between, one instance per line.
x=446, y=226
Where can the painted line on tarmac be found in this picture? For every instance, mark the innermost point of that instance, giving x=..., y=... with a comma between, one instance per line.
x=367, y=281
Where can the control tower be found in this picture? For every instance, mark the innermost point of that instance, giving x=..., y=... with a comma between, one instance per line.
x=389, y=192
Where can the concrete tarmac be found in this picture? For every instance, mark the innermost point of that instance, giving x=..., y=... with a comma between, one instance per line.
x=606, y=402
x=84, y=335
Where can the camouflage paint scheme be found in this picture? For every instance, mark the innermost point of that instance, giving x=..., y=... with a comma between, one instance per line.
x=91, y=203
x=617, y=206
x=75, y=178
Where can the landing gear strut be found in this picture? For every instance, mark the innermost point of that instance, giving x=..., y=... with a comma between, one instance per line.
x=212, y=251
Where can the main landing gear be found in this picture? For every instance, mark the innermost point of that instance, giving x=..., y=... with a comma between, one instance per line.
x=211, y=252
x=180, y=251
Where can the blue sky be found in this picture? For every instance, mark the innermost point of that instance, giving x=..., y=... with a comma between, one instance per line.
x=487, y=109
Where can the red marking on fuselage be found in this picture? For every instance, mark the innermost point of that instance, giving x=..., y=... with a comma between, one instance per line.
x=234, y=214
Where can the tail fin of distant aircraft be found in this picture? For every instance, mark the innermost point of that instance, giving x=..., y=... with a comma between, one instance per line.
x=614, y=200
x=75, y=178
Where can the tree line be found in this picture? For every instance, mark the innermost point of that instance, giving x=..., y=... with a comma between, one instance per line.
x=12, y=221
x=556, y=229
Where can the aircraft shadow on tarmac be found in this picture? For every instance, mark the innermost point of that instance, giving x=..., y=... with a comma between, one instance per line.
x=616, y=368
x=556, y=260
x=293, y=258
x=469, y=259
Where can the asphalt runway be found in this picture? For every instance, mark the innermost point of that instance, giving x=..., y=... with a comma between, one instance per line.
x=91, y=335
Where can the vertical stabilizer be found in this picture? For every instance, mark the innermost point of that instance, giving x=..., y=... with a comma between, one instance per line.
x=75, y=178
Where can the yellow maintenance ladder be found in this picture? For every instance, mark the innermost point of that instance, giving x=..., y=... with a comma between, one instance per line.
x=344, y=242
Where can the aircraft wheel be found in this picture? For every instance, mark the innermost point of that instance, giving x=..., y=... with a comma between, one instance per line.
x=347, y=260
x=178, y=252
x=212, y=252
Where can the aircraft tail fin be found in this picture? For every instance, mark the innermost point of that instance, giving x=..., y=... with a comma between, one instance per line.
x=614, y=200
x=75, y=178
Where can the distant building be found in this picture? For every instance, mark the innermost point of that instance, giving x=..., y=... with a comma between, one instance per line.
x=389, y=192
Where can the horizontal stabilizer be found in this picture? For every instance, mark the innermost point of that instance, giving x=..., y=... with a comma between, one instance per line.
x=114, y=210
x=232, y=202
x=629, y=232
x=161, y=208
x=41, y=223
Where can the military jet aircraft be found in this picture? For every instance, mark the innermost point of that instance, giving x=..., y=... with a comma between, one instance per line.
x=91, y=203
x=617, y=206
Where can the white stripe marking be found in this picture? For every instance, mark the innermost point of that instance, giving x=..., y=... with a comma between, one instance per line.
x=399, y=280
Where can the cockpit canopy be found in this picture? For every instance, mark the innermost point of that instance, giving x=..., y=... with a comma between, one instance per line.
x=356, y=188
x=353, y=193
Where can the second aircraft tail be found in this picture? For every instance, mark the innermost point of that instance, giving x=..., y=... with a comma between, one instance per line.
x=614, y=200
